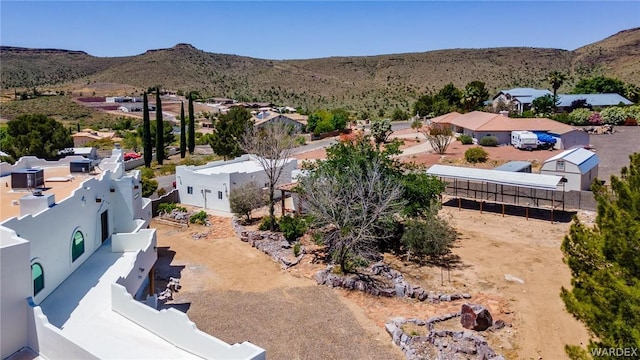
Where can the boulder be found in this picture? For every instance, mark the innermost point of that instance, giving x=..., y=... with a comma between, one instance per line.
x=475, y=317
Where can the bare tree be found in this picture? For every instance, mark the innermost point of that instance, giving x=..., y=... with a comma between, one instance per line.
x=273, y=145
x=356, y=202
x=439, y=136
x=244, y=199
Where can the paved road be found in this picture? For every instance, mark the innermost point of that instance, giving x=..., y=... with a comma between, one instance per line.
x=166, y=182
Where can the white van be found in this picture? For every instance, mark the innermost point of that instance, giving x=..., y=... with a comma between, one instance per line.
x=524, y=140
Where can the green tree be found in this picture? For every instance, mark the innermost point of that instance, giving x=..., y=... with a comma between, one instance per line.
x=183, y=132
x=36, y=135
x=430, y=236
x=613, y=115
x=339, y=118
x=439, y=136
x=556, y=79
x=605, y=265
x=146, y=132
x=228, y=131
x=544, y=105
x=381, y=130
x=599, y=85
x=131, y=141
x=192, y=126
x=159, y=129
x=474, y=95
x=423, y=106
x=451, y=94
x=399, y=115
x=580, y=116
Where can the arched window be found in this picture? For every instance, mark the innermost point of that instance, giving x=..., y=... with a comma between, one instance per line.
x=77, y=246
x=37, y=275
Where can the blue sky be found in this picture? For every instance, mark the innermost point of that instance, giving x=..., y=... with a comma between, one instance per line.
x=309, y=29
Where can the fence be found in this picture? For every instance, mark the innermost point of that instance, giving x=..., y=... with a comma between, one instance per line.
x=171, y=197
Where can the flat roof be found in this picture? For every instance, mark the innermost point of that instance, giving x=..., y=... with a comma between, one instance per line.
x=529, y=180
x=61, y=189
x=81, y=308
x=513, y=166
x=245, y=166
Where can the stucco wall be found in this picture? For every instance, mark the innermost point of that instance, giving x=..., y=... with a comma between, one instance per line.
x=27, y=162
x=50, y=232
x=144, y=242
x=504, y=137
x=175, y=327
x=202, y=185
x=15, y=287
x=48, y=341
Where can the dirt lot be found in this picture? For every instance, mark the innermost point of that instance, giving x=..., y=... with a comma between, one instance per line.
x=614, y=149
x=237, y=293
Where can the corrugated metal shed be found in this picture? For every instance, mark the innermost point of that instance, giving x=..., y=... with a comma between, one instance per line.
x=534, y=181
x=515, y=166
x=583, y=158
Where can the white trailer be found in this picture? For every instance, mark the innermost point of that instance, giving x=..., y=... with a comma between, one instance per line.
x=524, y=140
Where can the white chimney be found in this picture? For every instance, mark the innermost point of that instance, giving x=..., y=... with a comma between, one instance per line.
x=504, y=113
x=35, y=203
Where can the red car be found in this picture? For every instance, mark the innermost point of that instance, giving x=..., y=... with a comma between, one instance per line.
x=131, y=156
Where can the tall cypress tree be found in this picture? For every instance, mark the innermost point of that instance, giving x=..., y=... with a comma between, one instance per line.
x=159, y=129
x=192, y=126
x=146, y=132
x=183, y=132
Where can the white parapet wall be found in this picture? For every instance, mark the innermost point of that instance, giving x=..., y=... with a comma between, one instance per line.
x=49, y=342
x=175, y=327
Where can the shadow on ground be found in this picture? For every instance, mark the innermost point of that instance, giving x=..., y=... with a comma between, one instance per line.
x=513, y=210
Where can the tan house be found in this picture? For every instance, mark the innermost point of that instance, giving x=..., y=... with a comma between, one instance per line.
x=479, y=124
x=269, y=117
x=89, y=135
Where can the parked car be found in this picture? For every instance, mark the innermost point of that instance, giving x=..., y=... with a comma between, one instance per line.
x=131, y=156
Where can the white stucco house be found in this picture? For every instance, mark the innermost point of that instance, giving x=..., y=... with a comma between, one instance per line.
x=578, y=166
x=77, y=268
x=208, y=186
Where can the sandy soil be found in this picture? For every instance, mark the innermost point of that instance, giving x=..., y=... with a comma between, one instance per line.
x=237, y=293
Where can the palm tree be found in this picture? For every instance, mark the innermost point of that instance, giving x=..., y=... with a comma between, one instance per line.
x=556, y=79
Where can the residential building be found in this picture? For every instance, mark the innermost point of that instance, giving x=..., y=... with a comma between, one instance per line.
x=479, y=124
x=77, y=263
x=89, y=135
x=297, y=121
x=208, y=186
x=593, y=100
x=577, y=166
x=519, y=99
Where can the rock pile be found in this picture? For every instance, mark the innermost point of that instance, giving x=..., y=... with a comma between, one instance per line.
x=273, y=244
x=439, y=344
x=599, y=130
x=176, y=215
x=172, y=286
x=396, y=285
x=475, y=317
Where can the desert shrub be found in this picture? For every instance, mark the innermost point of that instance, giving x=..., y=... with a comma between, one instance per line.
x=465, y=139
x=595, y=119
x=476, y=155
x=165, y=208
x=146, y=172
x=149, y=186
x=292, y=227
x=265, y=224
x=161, y=191
x=199, y=218
x=562, y=117
x=301, y=140
x=318, y=238
x=633, y=112
x=296, y=249
x=167, y=169
x=244, y=199
x=580, y=116
x=431, y=237
x=489, y=141
x=613, y=115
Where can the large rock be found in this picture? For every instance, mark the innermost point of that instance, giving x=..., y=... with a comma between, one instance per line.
x=475, y=317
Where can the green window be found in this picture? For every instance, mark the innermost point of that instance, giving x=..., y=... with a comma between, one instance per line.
x=38, y=278
x=77, y=247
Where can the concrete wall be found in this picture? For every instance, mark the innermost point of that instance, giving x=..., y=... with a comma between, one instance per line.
x=172, y=196
x=15, y=287
x=175, y=327
x=27, y=162
x=48, y=341
x=133, y=163
x=204, y=189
